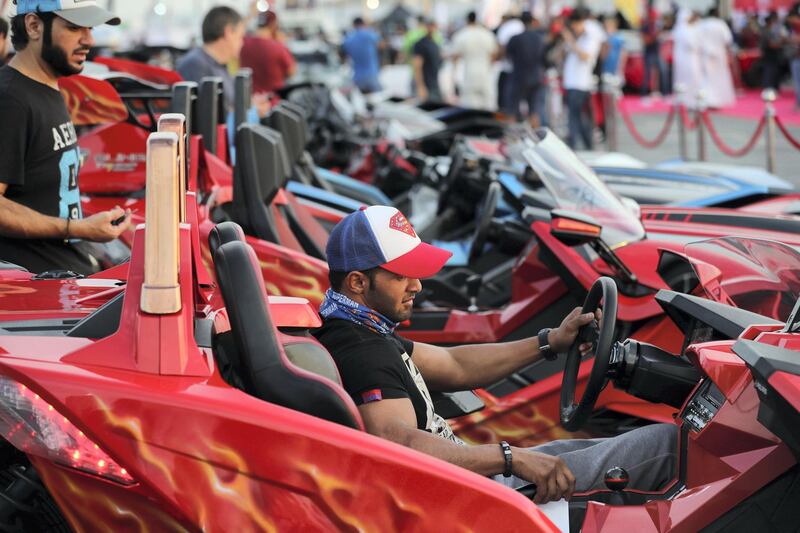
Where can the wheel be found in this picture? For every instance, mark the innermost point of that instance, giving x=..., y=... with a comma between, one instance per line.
x=25, y=504
x=574, y=414
x=485, y=222
x=456, y=164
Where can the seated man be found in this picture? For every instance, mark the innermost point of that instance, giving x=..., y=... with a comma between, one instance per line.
x=376, y=262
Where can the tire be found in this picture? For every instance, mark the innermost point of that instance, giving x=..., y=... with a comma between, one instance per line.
x=25, y=503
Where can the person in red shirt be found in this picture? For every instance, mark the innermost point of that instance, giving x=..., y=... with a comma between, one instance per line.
x=269, y=59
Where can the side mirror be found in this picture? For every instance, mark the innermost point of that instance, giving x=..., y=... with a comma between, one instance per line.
x=711, y=278
x=573, y=228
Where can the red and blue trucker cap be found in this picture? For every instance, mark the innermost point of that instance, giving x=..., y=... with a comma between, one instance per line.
x=84, y=13
x=381, y=236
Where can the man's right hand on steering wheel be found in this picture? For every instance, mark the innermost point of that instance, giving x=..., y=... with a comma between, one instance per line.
x=550, y=474
x=562, y=337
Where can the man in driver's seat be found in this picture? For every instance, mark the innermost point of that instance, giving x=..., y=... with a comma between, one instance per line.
x=376, y=262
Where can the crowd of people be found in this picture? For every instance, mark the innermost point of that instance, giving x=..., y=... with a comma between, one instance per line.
x=225, y=40
x=682, y=53
x=521, y=65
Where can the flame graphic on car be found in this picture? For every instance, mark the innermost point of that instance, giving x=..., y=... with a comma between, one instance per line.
x=240, y=490
x=334, y=494
x=293, y=278
x=133, y=427
x=286, y=275
x=89, y=509
x=519, y=422
x=88, y=106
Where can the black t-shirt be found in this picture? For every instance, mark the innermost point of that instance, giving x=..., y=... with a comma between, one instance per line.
x=376, y=367
x=428, y=50
x=39, y=160
x=526, y=53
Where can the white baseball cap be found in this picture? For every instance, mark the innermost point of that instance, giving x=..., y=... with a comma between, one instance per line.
x=84, y=13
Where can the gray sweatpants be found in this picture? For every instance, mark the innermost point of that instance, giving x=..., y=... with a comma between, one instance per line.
x=649, y=454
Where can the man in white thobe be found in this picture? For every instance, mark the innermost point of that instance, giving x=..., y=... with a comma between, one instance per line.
x=476, y=47
x=687, y=66
x=716, y=43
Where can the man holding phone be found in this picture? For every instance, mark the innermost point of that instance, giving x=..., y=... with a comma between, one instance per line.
x=40, y=211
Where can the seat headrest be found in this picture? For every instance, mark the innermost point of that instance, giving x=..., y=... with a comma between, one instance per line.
x=285, y=164
x=300, y=112
x=258, y=162
x=224, y=233
x=184, y=100
x=263, y=367
x=242, y=95
x=288, y=123
x=210, y=111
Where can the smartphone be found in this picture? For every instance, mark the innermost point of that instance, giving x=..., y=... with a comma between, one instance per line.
x=118, y=221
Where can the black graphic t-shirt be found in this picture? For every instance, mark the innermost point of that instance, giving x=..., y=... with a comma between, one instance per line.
x=375, y=367
x=39, y=160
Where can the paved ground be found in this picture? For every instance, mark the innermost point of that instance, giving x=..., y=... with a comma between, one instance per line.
x=735, y=132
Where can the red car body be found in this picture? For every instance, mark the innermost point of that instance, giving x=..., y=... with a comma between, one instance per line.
x=175, y=447
x=183, y=450
x=524, y=417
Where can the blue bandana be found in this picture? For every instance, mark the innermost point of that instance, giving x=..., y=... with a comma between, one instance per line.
x=338, y=305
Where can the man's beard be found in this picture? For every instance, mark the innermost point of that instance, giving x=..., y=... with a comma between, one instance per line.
x=380, y=303
x=56, y=57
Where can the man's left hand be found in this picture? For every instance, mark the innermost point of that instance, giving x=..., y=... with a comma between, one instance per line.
x=562, y=337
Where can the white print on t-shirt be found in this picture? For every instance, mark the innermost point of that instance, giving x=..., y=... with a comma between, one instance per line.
x=433, y=423
x=63, y=136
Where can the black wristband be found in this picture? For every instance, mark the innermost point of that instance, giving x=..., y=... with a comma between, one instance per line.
x=506, y=458
x=544, y=345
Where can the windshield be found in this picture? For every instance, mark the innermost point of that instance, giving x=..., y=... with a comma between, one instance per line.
x=576, y=187
x=757, y=275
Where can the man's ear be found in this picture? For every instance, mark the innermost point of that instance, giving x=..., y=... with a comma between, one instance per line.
x=34, y=26
x=356, y=282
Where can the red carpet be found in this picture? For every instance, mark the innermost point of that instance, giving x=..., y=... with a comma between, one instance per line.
x=749, y=106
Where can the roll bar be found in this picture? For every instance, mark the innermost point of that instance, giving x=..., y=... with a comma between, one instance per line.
x=161, y=290
x=176, y=123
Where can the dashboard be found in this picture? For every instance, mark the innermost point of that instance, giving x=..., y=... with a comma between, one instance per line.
x=703, y=405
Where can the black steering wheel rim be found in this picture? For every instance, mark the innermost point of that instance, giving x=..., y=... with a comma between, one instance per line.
x=389, y=157
x=574, y=414
x=482, y=226
x=446, y=190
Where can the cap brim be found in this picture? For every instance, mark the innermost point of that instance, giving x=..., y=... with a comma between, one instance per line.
x=422, y=262
x=89, y=16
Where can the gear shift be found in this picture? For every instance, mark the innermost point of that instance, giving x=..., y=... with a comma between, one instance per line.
x=616, y=480
x=474, y=283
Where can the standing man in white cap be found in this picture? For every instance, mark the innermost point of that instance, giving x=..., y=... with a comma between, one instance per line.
x=376, y=261
x=40, y=211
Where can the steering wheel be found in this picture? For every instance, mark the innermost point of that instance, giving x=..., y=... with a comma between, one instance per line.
x=482, y=228
x=456, y=163
x=574, y=415
x=529, y=490
x=389, y=158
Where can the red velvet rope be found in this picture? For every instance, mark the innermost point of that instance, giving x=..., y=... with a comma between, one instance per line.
x=724, y=148
x=638, y=136
x=786, y=133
